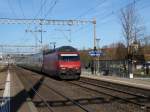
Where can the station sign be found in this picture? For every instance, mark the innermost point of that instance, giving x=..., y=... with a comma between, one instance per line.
x=96, y=53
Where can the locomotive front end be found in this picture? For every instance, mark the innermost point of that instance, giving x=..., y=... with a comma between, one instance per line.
x=69, y=65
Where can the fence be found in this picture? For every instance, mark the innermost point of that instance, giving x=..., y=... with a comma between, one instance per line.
x=120, y=68
x=117, y=67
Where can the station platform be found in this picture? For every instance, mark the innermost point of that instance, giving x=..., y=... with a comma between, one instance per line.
x=13, y=96
x=139, y=83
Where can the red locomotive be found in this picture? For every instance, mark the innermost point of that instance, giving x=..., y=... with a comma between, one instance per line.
x=63, y=62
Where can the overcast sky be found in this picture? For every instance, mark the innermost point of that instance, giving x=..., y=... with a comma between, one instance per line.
x=106, y=13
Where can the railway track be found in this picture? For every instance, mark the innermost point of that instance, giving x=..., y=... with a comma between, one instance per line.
x=67, y=98
x=132, y=89
x=50, y=109
x=114, y=100
x=118, y=90
x=85, y=85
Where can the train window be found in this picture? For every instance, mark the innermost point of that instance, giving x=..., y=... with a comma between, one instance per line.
x=69, y=58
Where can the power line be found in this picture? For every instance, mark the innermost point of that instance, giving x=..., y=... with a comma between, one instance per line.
x=36, y=31
x=111, y=13
x=11, y=8
x=102, y=18
x=32, y=4
x=20, y=5
x=86, y=12
x=67, y=37
x=39, y=11
x=92, y=8
x=51, y=8
x=41, y=8
x=131, y=3
x=145, y=6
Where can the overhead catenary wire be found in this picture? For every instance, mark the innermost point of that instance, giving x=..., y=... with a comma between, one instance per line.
x=118, y=10
x=68, y=38
x=145, y=6
x=51, y=8
x=110, y=14
x=114, y=12
x=20, y=6
x=41, y=2
x=11, y=9
x=13, y=12
x=32, y=5
x=40, y=9
x=92, y=8
x=102, y=18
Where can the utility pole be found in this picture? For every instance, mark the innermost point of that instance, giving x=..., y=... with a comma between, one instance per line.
x=54, y=44
x=40, y=30
x=98, y=47
x=35, y=31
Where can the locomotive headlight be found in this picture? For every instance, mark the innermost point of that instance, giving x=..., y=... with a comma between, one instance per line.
x=77, y=68
x=62, y=68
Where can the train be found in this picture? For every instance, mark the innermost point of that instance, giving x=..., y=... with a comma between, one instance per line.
x=62, y=62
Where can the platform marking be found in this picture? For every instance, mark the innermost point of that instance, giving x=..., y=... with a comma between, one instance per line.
x=5, y=105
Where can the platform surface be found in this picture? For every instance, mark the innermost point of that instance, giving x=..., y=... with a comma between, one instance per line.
x=12, y=89
x=141, y=83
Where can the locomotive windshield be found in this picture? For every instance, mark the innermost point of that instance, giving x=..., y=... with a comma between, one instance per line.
x=69, y=57
x=66, y=49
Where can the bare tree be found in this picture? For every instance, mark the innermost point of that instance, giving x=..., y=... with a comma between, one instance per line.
x=132, y=29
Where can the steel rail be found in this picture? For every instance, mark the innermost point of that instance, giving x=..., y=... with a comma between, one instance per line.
x=74, y=102
x=114, y=89
x=100, y=92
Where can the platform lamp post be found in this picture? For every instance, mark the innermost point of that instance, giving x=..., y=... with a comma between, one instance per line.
x=98, y=48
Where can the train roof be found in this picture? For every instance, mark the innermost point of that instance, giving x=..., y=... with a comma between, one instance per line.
x=61, y=49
